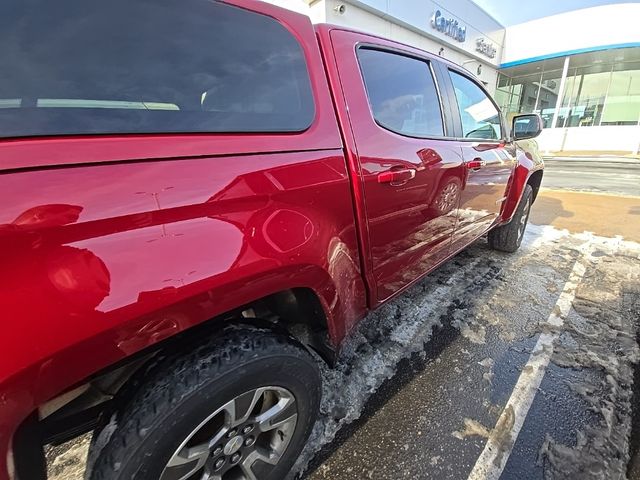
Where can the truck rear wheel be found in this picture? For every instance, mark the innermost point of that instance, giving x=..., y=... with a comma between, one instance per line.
x=239, y=407
x=507, y=238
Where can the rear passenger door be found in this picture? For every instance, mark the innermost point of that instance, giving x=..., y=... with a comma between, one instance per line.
x=489, y=159
x=410, y=176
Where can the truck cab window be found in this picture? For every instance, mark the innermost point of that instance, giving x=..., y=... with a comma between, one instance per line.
x=479, y=116
x=149, y=66
x=402, y=93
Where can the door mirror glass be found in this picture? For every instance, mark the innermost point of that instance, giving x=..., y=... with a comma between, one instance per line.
x=526, y=126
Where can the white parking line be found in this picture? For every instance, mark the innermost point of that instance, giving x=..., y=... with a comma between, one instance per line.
x=502, y=438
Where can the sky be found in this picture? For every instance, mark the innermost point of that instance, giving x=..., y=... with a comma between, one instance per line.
x=512, y=12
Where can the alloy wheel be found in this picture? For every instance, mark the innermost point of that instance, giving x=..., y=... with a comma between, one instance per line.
x=522, y=222
x=242, y=440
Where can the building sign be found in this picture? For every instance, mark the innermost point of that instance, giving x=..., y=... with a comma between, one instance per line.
x=448, y=26
x=485, y=48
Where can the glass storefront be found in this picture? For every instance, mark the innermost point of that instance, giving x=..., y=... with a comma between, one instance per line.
x=601, y=88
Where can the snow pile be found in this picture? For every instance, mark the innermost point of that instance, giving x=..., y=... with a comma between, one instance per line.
x=371, y=354
x=67, y=461
x=402, y=327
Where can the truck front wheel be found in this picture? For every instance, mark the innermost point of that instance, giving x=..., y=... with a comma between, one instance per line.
x=240, y=406
x=507, y=238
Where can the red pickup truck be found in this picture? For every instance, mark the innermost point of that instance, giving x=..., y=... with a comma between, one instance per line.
x=199, y=199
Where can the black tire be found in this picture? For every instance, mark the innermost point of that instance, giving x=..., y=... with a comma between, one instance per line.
x=182, y=391
x=508, y=237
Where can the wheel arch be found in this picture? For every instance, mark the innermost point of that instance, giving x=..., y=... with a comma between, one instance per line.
x=297, y=312
x=523, y=175
x=535, y=180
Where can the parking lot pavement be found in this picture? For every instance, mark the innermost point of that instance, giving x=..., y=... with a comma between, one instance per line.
x=494, y=366
x=604, y=214
x=528, y=373
x=618, y=175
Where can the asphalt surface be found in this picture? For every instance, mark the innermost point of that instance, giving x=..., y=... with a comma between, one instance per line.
x=604, y=214
x=596, y=174
x=511, y=366
x=434, y=417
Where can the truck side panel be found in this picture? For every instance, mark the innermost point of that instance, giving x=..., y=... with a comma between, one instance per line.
x=529, y=162
x=102, y=261
x=403, y=230
x=112, y=243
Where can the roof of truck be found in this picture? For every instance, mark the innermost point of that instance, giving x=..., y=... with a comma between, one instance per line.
x=331, y=26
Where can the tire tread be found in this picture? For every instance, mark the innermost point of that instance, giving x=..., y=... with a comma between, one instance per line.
x=181, y=375
x=505, y=237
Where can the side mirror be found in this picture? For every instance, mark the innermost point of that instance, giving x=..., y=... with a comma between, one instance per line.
x=526, y=126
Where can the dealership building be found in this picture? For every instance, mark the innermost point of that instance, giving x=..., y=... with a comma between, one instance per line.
x=579, y=70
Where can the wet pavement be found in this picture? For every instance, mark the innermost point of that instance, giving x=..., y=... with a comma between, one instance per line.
x=434, y=417
x=618, y=175
x=442, y=382
x=606, y=215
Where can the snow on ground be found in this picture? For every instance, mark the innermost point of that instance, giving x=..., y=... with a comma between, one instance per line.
x=525, y=284
x=67, y=461
x=601, y=337
x=478, y=293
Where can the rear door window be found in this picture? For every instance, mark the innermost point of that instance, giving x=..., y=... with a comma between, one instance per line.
x=402, y=93
x=148, y=66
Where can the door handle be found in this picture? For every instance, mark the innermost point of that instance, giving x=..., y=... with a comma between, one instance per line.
x=397, y=176
x=476, y=164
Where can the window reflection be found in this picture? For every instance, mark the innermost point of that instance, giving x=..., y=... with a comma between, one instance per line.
x=402, y=93
x=479, y=116
x=187, y=66
x=622, y=106
x=584, y=98
x=601, y=88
